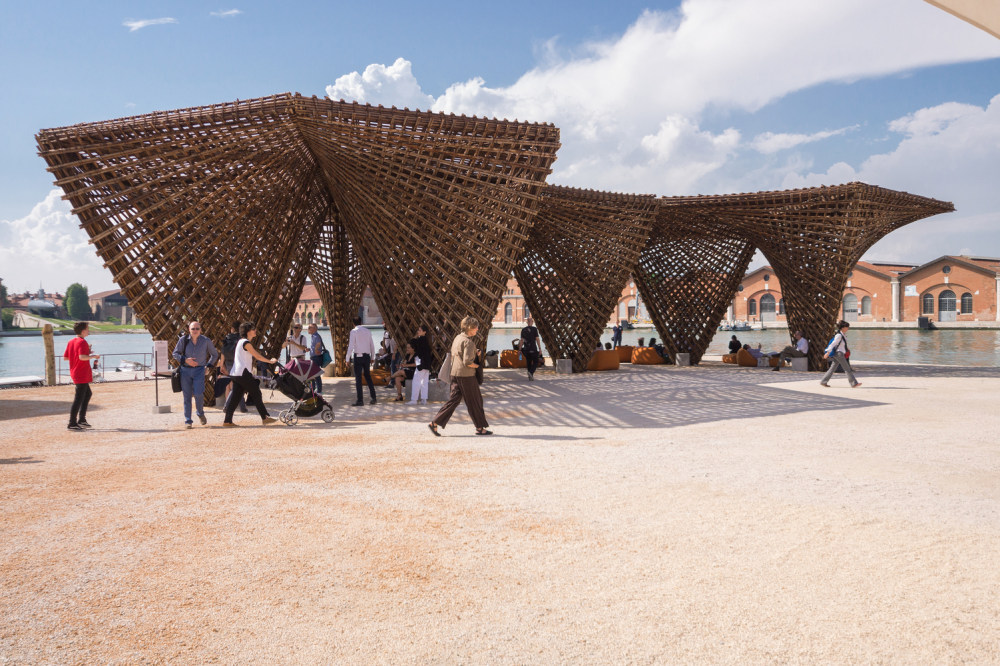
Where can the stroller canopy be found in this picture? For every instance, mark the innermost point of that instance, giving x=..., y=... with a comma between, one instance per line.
x=303, y=369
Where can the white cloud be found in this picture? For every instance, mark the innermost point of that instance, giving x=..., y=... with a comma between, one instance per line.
x=769, y=142
x=391, y=86
x=950, y=152
x=47, y=246
x=227, y=13
x=145, y=23
x=625, y=104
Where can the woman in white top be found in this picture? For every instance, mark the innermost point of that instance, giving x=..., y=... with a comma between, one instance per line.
x=244, y=382
x=837, y=352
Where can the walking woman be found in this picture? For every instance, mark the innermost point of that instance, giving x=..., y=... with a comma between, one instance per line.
x=244, y=382
x=422, y=377
x=463, y=381
x=838, y=351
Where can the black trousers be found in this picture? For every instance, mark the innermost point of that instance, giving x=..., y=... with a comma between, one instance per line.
x=78, y=412
x=248, y=386
x=362, y=366
x=467, y=389
x=531, y=359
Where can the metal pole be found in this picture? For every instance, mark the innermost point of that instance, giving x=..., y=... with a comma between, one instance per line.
x=50, y=355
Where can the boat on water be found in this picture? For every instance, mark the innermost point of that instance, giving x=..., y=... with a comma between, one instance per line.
x=735, y=326
x=131, y=366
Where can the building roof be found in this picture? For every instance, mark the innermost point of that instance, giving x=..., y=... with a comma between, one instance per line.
x=105, y=294
x=986, y=265
x=309, y=292
x=888, y=267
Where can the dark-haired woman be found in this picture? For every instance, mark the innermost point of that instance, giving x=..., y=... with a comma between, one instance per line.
x=244, y=382
x=422, y=376
x=837, y=351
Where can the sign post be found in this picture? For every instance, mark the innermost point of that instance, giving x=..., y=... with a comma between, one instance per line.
x=161, y=365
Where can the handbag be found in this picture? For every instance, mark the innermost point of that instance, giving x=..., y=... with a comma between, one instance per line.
x=175, y=376
x=479, y=368
x=327, y=359
x=444, y=374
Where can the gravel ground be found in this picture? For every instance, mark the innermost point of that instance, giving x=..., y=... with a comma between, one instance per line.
x=650, y=515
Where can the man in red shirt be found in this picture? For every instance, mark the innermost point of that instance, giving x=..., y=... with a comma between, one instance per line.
x=79, y=357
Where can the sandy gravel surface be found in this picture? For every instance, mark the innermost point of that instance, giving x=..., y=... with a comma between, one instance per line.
x=653, y=515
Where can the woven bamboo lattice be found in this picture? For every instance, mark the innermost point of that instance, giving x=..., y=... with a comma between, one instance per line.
x=579, y=255
x=336, y=272
x=686, y=276
x=437, y=207
x=209, y=213
x=812, y=238
x=215, y=213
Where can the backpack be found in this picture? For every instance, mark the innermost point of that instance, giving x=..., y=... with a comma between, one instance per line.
x=229, y=348
x=847, y=349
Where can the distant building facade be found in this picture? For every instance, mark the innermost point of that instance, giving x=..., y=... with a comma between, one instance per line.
x=310, y=308
x=949, y=288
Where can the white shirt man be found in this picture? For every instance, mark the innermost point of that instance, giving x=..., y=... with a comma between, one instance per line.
x=800, y=350
x=360, y=352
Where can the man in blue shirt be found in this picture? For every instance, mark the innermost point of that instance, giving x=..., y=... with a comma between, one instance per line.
x=195, y=353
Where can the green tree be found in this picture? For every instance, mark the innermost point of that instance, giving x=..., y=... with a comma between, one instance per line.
x=77, y=302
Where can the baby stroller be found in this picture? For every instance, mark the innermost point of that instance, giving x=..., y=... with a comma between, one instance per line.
x=293, y=381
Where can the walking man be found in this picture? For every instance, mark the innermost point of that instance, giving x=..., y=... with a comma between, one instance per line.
x=361, y=348
x=529, y=347
x=79, y=357
x=195, y=353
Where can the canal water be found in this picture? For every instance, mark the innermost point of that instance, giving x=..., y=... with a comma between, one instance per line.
x=981, y=347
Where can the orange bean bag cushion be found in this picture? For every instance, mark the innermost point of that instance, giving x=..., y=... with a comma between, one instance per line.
x=646, y=356
x=509, y=359
x=745, y=359
x=606, y=359
x=380, y=377
x=625, y=353
x=729, y=358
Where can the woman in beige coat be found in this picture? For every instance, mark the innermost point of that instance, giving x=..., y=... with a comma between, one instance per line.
x=463, y=381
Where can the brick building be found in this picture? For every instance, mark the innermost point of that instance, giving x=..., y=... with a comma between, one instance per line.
x=949, y=288
x=310, y=308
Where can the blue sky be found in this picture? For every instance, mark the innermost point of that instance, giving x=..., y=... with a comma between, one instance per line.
x=708, y=96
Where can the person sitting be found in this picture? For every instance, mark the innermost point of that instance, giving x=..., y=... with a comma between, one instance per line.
x=755, y=352
x=383, y=357
x=607, y=346
x=516, y=344
x=734, y=345
x=657, y=347
x=642, y=342
x=800, y=350
x=405, y=372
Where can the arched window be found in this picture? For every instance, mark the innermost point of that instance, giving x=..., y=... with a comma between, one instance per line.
x=866, y=305
x=508, y=313
x=526, y=315
x=946, y=301
x=966, y=303
x=309, y=318
x=850, y=307
x=781, y=306
x=766, y=304
x=927, y=304
x=751, y=307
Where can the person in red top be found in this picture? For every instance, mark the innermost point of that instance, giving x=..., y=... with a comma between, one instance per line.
x=79, y=357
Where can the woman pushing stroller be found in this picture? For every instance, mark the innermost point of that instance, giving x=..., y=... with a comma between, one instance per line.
x=244, y=381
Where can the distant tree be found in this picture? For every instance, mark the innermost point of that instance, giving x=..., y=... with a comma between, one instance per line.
x=3, y=294
x=77, y=302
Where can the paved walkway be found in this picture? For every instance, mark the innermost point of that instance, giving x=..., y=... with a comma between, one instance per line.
x=650, y=515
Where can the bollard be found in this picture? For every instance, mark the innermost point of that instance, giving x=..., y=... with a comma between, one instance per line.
x=683, y=359
x=564, y=366
x=50, y=355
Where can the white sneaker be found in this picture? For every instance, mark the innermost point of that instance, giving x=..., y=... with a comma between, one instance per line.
x=423, y=402
x=412, y=402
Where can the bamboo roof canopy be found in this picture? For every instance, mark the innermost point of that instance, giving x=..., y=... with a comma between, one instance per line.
x=219, y=213
x=579, y=255
x=812, y=238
